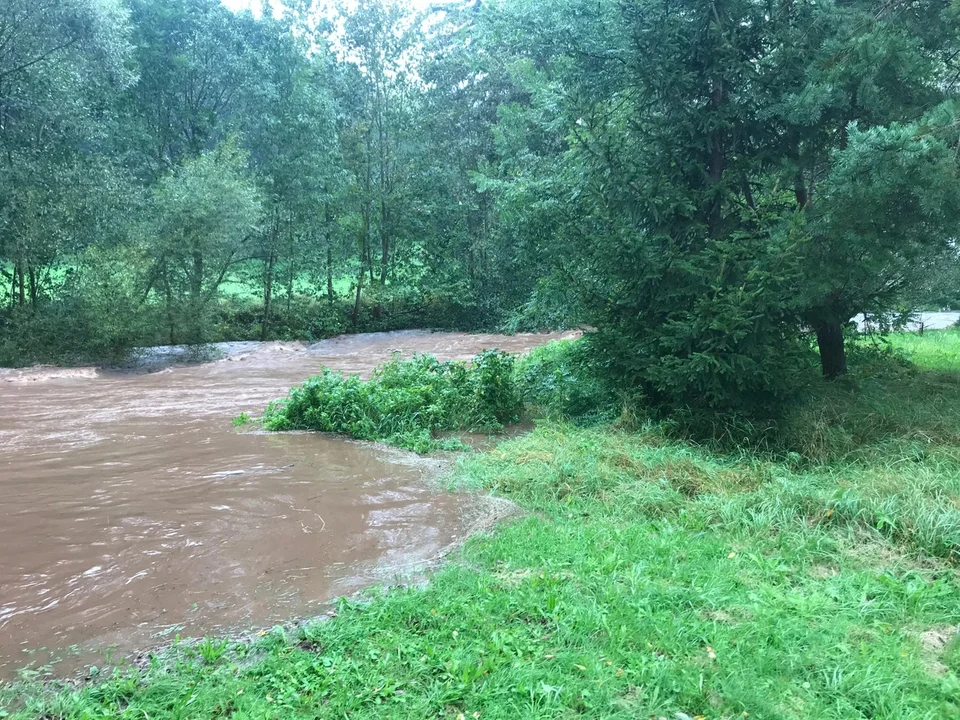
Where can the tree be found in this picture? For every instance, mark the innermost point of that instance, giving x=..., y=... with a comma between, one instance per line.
x=379, y=38
x=202, y=218
x=466, y=260
x=707, y=162
x=62, y=63
x=198, y=63
x=289, y=124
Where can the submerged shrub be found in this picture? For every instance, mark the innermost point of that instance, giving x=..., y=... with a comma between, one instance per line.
x=406, y=401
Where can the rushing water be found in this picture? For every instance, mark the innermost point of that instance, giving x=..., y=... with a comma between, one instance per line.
x=131, y=509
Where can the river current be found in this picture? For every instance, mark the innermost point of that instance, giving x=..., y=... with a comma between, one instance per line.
x=132, y=510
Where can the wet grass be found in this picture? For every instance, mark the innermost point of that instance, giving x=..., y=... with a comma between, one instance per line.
x=933, y=350
x=651, y=578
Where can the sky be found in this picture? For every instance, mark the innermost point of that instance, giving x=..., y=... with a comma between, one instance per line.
x=237, y=5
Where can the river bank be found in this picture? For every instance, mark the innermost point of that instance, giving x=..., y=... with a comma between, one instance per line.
x=648, y=577
x=135, y=512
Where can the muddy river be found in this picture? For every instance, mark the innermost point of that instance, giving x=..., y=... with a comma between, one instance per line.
x=131, y=510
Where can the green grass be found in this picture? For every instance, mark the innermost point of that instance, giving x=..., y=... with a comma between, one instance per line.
x=649, y=578
x=899, y=404
x=934, y=350
x=238, y=285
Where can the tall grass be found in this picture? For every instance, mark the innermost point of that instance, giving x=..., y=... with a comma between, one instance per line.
x=900, y=403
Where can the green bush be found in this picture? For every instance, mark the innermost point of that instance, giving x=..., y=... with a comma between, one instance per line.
x=406, y=402
x=559, y=381
x=96, y=315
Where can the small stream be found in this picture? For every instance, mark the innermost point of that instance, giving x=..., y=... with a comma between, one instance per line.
x=132, y=510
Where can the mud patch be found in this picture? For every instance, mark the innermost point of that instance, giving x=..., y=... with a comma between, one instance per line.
x=934, y=643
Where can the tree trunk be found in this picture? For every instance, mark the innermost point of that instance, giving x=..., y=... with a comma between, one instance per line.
x=833, y=355
x=383, y=149
x=168, y=296
x=356, y=303
x=368, y=210
x=196, y=293
x=384, y=241
x=290, y=278
x=267, y=296
x=22, y=286
x=328, y=225
x=329, y=273
x=34, y=288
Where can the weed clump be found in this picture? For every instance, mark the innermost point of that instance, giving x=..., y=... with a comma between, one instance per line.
x=406, y=402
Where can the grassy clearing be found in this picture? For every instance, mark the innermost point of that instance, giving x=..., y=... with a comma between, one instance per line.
x=934, y=350
x=239, y=286
x=652, y=578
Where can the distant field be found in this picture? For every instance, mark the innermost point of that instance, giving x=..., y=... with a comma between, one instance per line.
x=934, y=350
x=242, y=284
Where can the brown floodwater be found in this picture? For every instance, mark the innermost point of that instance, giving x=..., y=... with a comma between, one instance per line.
x=131, y=510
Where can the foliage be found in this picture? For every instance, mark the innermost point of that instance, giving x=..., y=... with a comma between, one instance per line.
x=406, y=402
x=709, y=187
x=211, y=650
x=200, y=217
x=898, y=401
x=559, y=380
x=204, y=145
x=714, y=182
x=95, y=317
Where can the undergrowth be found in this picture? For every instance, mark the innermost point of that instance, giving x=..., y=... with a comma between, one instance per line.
x=899, y=403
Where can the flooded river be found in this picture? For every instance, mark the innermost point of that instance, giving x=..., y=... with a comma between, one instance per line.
x=131, y=509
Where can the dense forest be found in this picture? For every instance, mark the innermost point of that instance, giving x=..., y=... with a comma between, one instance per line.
x=716, y=187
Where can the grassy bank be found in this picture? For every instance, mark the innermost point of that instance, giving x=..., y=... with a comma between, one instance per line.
x=651, y=578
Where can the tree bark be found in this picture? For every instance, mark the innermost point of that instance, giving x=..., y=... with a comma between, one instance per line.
x=196, y=293
x=168, y=296
x=21, y=285
x=267, y=296
x=356, y=303
x=833, y=354
x=34, y=287
x=291, y=276
x=328, y=223
x=329, y=273
x=384, y=241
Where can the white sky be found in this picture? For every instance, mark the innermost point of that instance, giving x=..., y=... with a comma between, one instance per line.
x=254, y=5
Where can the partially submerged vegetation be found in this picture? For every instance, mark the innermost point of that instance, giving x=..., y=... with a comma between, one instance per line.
x=406, y=402
x=653, y=577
